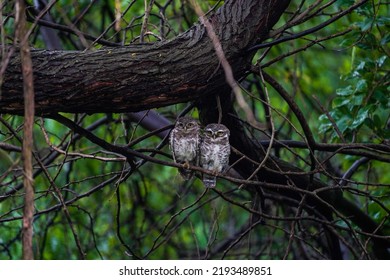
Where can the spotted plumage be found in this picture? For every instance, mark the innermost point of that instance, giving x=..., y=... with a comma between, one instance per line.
x=214, y=151
x=184, y=142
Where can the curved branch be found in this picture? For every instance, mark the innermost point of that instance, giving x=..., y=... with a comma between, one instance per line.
x=143, y=76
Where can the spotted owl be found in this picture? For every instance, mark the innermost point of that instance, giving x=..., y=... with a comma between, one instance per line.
x=184, y=142
x=214, y=151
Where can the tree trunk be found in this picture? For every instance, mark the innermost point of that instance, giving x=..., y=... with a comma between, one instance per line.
x=143, y=76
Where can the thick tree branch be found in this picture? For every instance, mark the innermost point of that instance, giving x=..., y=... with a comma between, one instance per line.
x=143, y=76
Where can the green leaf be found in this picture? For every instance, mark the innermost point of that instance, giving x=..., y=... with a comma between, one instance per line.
x=381, y=61
x=386, y=134
x=368, y=42
x=345, y=91
x=365, y=10
x=365, y=25
x=345, y=3
x=325, y=125
x=377, y=122
x=385, y=40
x=381, y=95
x=344, y=123
x=382, y=21
x=361, y=86
x=361, y=66
x=356, y=100
x=362, y=115
x=339, y=101
x=351, y=38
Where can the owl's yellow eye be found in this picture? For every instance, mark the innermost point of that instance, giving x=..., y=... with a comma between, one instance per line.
x=190, y=125
x=220, y=133
x=208, y=133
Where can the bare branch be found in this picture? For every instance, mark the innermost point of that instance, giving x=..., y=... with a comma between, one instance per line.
x=27, y=148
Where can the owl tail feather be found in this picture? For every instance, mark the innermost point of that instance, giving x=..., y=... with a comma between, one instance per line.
x=209, y=181
x=185, y=173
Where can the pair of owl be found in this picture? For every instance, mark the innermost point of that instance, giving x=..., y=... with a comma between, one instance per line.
x=209, y=150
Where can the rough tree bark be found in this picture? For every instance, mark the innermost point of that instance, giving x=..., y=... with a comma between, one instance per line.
x=143, y=76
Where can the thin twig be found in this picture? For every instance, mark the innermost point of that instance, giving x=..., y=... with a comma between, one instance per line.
x=330, y=118
x=27, y=148
x=73, y=154
x=347, y=175
x=269, y=148
x=225, y=65
x=308, y=31
x=220, y=113
x=145, y=21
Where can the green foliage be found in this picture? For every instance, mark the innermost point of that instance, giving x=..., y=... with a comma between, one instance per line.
x=361, y=110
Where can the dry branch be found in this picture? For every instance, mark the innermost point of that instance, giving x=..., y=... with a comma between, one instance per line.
x=27, y=149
